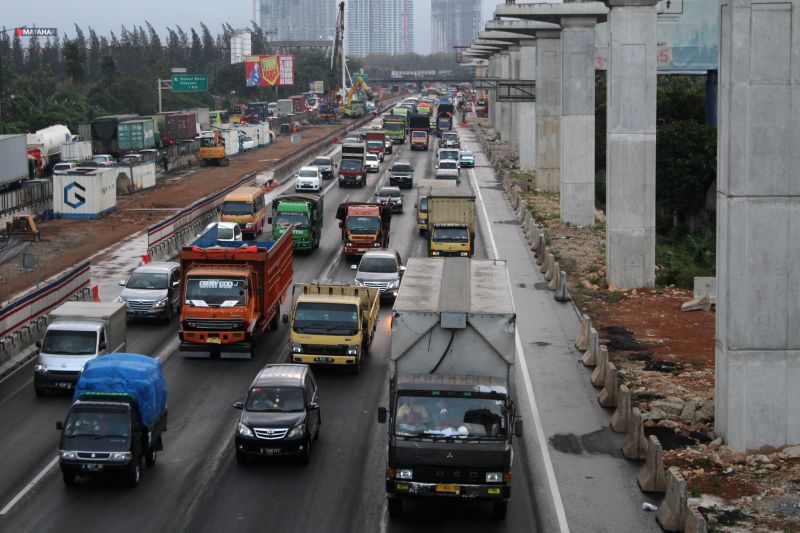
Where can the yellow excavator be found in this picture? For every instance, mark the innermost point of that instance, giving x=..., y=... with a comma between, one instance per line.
x=355, y=103
x=212, y=149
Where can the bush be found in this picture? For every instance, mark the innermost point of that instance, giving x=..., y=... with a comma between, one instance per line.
x=680, y=257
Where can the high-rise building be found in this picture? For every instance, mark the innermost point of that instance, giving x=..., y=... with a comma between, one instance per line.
x=379, y=27
x=296, y=20
x=454, y=23
x=241, y=46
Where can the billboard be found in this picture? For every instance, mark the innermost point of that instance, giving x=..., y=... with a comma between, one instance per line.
x=269, y=71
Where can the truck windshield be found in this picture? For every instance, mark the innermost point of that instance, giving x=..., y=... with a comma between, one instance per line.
x=322, y=162
x=237, y=208
x=287, y=218
x=457, y=417
x=368, y=224
x=96, y=423
x=423, y=204
x=147, y=280
x=323, y=317
x=375, y=144
x=221, y=292
x=280, y=399
x=450, y=235
x=350, y=164
x=419, y=135
x=393, y=126
x=63, y=342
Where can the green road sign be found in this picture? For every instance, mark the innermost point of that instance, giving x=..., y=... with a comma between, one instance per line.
x=189, y=83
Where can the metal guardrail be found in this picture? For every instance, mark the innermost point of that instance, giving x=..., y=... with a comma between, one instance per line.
x=26, y=196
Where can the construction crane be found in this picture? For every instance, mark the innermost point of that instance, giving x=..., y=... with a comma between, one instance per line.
x=336, y=85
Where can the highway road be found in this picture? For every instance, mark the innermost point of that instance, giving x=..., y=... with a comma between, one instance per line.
x=196, y=484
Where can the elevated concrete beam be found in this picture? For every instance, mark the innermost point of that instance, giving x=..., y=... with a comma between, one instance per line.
x=521, y=27
x=552, y=13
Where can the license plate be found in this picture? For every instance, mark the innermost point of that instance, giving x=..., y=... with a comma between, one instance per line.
x=64, y=385
x=447, y=488
x=213, y=340
x=93, y=467
x=323, y=359
x=270, y=451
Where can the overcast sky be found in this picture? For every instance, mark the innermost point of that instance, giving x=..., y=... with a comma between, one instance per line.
x=107, y=15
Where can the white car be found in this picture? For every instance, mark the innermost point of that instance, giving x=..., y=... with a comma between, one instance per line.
x=248, y=144
x=308, y=179
x=373, y=164
x=59, y=169
x=226, y=231
x=447, y=169
x=104, y=160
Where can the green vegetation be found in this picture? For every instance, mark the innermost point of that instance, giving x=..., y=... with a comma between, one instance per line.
x=681, y=256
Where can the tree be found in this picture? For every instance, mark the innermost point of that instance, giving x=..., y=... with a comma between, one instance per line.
x=74, y=61
x=196, y=53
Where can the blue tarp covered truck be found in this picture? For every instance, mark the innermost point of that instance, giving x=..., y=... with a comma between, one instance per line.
x=118, y=414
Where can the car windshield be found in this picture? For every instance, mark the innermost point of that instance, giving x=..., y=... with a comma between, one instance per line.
x=372, y=157
x=224, y=233
x=388, y=193
x=378, y=265
x=448, y=154
x=458, y=416
x=147, y=280
x=287, y=218
x=323, y=317
x=62, y=342
x=237, y=208
x=322, y=161
x=307, y=174
x=450, y=235
x=362, y=223
x=96, y=424
x=401, y=168
x=448, y=165
x=275, y=399
x=450, y=137
x=467, y=155
x=220, y=292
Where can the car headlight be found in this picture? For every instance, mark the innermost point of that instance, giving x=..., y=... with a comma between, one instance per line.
x=494, y=477
x=405, y=473
x=296, y=348
x=393, y=284
x=40, y=368
x=249, y=225
x=245, y=431
x=352, y=350
x=464, y=254
x=359, y=283
x=120, y=456
x=434, y=252
x=160, y=303
x=296, y=431
x=121, y=300
x=68, y=455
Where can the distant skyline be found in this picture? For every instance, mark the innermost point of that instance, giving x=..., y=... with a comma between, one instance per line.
x=105, y=16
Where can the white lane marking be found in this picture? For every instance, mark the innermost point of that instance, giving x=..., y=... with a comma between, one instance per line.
x=537, y=421
x=21, y=494
x=168, y=349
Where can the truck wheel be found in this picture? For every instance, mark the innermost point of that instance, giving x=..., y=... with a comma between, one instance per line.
x=151, y=456
x=395, y=506
x=500, y=509
x=69, y=478
x=134, y=474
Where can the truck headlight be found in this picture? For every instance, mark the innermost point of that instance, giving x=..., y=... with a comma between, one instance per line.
x=352, y=350
x=296, y=348
x=434, y=252
x=464, y=254
x=377, y=245
x=405, y=473
x=120, y=457
x=249, y=225
x=348, y=244
x=68, y=455
x=244, y=431
x=40, y=368
x=494, y=477
x=296, y=431
x=161, y=303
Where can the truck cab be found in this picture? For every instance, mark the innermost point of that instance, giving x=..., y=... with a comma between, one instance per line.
x=303, y=213
x=376, y=144
x=353, y=169
x=365, y=226
x=451, y=223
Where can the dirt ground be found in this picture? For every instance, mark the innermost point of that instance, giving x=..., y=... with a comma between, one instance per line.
x=666, y=358
x=66, y=242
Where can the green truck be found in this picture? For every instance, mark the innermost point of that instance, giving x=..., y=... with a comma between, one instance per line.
x=301, y=212
x=394, y=126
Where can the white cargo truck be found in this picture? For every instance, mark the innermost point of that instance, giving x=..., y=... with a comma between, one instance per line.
x=451, y=413
x=76, y=333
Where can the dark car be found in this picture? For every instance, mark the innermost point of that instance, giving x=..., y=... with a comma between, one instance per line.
x=402, y=174
x=391, y=196
x=325, y=166
x=281, y=414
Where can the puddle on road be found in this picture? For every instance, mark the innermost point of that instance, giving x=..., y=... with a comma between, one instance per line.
x=603, y=441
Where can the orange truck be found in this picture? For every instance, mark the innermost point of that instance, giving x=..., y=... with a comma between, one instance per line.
x=231, y=294
x=365, y=226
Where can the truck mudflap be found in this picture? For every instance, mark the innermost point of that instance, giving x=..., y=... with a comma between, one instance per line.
x=448, y=490
x=226, y=351
x=311, y=359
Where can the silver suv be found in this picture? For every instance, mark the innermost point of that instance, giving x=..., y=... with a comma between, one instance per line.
x=381, y=269
x=152, y=291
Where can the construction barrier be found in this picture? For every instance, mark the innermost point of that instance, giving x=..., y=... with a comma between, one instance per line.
x=652, y=478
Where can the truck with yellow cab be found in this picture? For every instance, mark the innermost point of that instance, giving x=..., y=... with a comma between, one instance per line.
x=332, y=324
x=424, y=188
x=451, y=223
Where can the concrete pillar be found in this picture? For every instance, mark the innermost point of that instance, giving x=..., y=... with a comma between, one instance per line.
x=504, y=122
x=577, y=120
x=758, y=225
x=494, y=109
x=631, y=144
x=548, y=110
x=526, y=114
x=513, y=107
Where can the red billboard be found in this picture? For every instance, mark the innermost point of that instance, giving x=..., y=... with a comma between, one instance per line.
x=269, y=71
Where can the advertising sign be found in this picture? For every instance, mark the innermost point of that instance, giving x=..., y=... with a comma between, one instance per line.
x=36, y=32
x=316, y=87
x=269, y=71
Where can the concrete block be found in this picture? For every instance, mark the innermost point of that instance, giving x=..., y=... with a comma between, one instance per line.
x=562, y=290
x=652, y=478
x=671, y=514
x=695, y=522
x=554, y=274
x=540, y=259
x=592, y=348
x=635, y=445
x=582, y=342
x=599, y=372
x=705, y=286
x=549, y=265
x=621, y=417
x=608, y=396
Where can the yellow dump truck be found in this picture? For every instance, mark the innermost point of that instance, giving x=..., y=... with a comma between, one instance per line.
x=424, y=188
x=451, y=223
x=332, y=324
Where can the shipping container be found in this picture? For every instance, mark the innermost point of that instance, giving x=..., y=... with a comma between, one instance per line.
x=104, y=133
x=180, y=126
x=135, y=135
x=202, y=117
x=76, y=151
x=262, y=134
x=135, y=177
x=285, y=108
x=85, y=193
x=298, y=103
x=159, y=125
x=231, y=136
x=13, y=159
x=85, y=131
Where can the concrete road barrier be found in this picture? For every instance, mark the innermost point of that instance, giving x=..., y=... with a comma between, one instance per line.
x=652, y=477
x=540, y=246
x=592, y=348
x=599, y=372
x=582, y=342
x=562, y=289
x=542, y=260
x=549, y=265
x=695, y=522
x=554, y=275
x=635, y=445
x=621, y=417
x=671, y=514
x=608, y=396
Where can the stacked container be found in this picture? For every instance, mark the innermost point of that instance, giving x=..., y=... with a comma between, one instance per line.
x=85, y=193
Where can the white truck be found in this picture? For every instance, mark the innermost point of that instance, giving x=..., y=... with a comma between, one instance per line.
x=285, y=108
x=451, y=414
x=76, y=333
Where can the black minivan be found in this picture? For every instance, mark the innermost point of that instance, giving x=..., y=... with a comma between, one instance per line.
x=281, y=414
